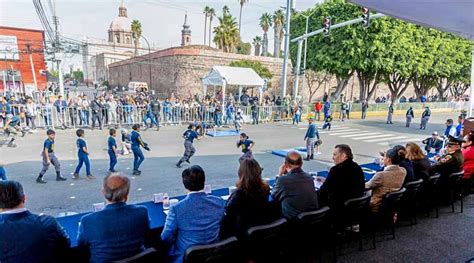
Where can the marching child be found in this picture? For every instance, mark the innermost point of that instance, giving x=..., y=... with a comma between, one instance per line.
x=83, y=155
x=246, y=145
x=112, y=150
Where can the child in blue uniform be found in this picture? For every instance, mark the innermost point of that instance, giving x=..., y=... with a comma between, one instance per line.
x=112, y=150
x=246, y=145
x=83, y=155
x=49, y=157
x=189, y=135
x=137, y=141
x=327, y=121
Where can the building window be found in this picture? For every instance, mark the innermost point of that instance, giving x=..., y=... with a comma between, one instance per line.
x=118, y=38
x=128, y=40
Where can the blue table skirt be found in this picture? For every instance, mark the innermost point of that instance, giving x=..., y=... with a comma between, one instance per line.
x=155, y=211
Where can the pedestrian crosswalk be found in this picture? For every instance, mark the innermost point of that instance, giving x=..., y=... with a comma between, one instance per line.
x=367, y=135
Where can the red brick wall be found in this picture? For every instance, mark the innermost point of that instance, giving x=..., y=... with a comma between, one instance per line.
x=36, y=39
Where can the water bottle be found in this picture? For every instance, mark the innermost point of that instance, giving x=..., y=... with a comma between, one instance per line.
x=166, y=201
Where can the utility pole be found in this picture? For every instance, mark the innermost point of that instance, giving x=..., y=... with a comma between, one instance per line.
x=58, y=51
x=287, y=46
x=30, y=53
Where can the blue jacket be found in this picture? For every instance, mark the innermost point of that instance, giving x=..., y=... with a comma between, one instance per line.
x=312, y=131
x=114, y=233
x=26, y=237
x=195, y=220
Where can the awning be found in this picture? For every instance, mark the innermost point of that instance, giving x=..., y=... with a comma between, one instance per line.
x=245, y=77
x=454, y=16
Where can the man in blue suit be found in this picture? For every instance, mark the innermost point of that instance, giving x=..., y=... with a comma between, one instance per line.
x=195, y=220
x=26, y=237
x=118, y=231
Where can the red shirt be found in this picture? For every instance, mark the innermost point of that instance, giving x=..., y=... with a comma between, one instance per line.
x=318, y=106
x=468, y=154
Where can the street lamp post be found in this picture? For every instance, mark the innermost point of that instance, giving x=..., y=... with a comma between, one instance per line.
x=304, y=56
x=149, y=60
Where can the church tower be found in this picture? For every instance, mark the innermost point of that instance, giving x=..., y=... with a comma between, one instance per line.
x=120, y=30
x=186, y=32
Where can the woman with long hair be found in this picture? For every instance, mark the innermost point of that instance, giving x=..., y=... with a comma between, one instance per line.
x=248, y=206
x=421, y=163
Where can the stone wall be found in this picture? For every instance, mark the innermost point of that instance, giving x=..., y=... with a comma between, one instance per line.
x=179, y=70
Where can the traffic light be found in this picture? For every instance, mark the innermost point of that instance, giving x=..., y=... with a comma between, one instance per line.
x=327, y=26
x=365, y=17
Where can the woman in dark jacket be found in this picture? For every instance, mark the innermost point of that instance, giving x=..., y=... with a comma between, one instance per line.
x=421, y=163
x=248, y=206
x=405, y=163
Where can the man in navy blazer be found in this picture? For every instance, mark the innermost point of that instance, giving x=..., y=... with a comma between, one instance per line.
x=118, y=231
x=195, y=220
x=26, y=237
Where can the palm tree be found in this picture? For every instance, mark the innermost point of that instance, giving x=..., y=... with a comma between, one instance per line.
x=257, y=42
x=242, y=3
x=278, y=22
x=136, y=34
x=206, y=14
x=226, y=10
x=265, y=23
x=226, y=34
x=211, y=14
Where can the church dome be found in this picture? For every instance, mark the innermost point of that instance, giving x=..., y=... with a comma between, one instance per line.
x=121, y=24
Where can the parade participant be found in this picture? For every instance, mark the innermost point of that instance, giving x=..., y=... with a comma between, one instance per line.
x=112, y=150
x=247, y=146
x=126, y=142
x=12, y=127
x=326, y=108
x=460, y=126
x=409, y=116
x=425, y=116
x=390, y=114
x=83, y=155
x=327, y=121
x=156, y=111
x=189, y=150
x=238, y=120
x=450, y=129
x=310, y=137
x=364, y=107
x=3, y=173
x=434, y=142
x=49, y=157
x=137, y=141
x=149, y=116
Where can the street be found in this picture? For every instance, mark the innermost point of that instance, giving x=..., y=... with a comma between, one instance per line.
x=217, y=155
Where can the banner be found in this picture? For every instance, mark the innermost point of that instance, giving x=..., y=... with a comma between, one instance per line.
x=9, y=48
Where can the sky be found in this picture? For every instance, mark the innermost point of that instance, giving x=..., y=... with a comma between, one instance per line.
x=161, y=20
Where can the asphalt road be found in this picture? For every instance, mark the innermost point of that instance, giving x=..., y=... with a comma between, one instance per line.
x=218, y=156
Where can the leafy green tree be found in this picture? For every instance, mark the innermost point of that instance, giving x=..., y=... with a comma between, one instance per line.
x=265, y=24
x=278, y=23
x=78, y=75
x=211, y=14
x=244, y=48
x=226, y=34
x=136, y=34
x=261, y=70
x=242, y=3
x=257, y=43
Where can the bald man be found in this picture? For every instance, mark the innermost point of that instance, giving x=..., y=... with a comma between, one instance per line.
x=294, y=188
x=119, y=230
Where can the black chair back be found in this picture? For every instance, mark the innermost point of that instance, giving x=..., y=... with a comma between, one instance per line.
x=412, y=190
x=313, y=218
x=391, y=201
x=224, y=251
x=148, y=255
x=355, y=209
x=455, y=178
x=267, y=242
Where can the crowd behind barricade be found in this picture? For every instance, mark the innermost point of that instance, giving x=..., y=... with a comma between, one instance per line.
x=114, y=110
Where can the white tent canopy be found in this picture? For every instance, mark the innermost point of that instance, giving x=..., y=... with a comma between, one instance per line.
x=454, y=16
x=236, y=76
x=246, y=77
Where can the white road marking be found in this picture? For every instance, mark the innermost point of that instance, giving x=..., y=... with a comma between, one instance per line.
x=360, y=134
x=72, y=197
x=372, y=137
x=416, y=140
x=386, y=139
x=350, y=131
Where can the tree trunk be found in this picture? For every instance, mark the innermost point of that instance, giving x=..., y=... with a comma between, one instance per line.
x=136, y=47
x=265, y=44
x=443, y=86
x=276, y=42
x=240, y=20
x=397, y=85
x=367, y=84
x=342, y=82
x=205, y=28
x=210, y=30
x=257, y=50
